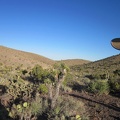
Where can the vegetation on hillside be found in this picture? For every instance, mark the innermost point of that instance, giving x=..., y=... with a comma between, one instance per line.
x=100, y=77
x=48, y=93
x=36, y=94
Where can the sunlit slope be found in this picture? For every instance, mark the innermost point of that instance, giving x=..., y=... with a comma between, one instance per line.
x=72, y=62
x=12, y=57
x=103, y=66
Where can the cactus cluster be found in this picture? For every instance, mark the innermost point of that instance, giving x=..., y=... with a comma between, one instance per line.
x=18, y=88
x=19, y=110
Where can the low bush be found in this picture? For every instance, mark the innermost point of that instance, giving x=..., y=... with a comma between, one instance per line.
x=114, y=85
x=68, y=80
x=99, y=87
x=43, y=88
x=68, y=108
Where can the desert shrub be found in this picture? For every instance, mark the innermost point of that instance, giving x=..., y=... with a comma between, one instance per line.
x=48, y=74
x=68, y=80
x=60, y=66
x=114, y=85
x=85, y=81
x=37, y=72
x=97, y=76
x=68, y=108
x=38, y=106
x=99, y=86
x=43, y=88
x=65, y=88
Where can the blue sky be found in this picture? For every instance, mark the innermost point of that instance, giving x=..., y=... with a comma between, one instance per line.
x=61, y=29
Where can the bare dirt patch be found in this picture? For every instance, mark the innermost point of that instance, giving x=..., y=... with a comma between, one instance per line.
x=100, y=107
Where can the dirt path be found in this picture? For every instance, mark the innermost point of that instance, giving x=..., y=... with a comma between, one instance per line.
x=100, y=107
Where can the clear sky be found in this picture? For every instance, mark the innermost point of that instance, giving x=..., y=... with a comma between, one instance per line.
x=61, y=29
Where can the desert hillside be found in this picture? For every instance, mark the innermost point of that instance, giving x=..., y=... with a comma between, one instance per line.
x=12, y=57
x=52, y=94
x=73, y=62
x=101, y=81
x=108, y=64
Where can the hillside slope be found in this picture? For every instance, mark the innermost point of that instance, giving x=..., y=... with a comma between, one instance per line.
x=98, y=86
x=12, y=57
x=72, y=62
x=102, y=66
